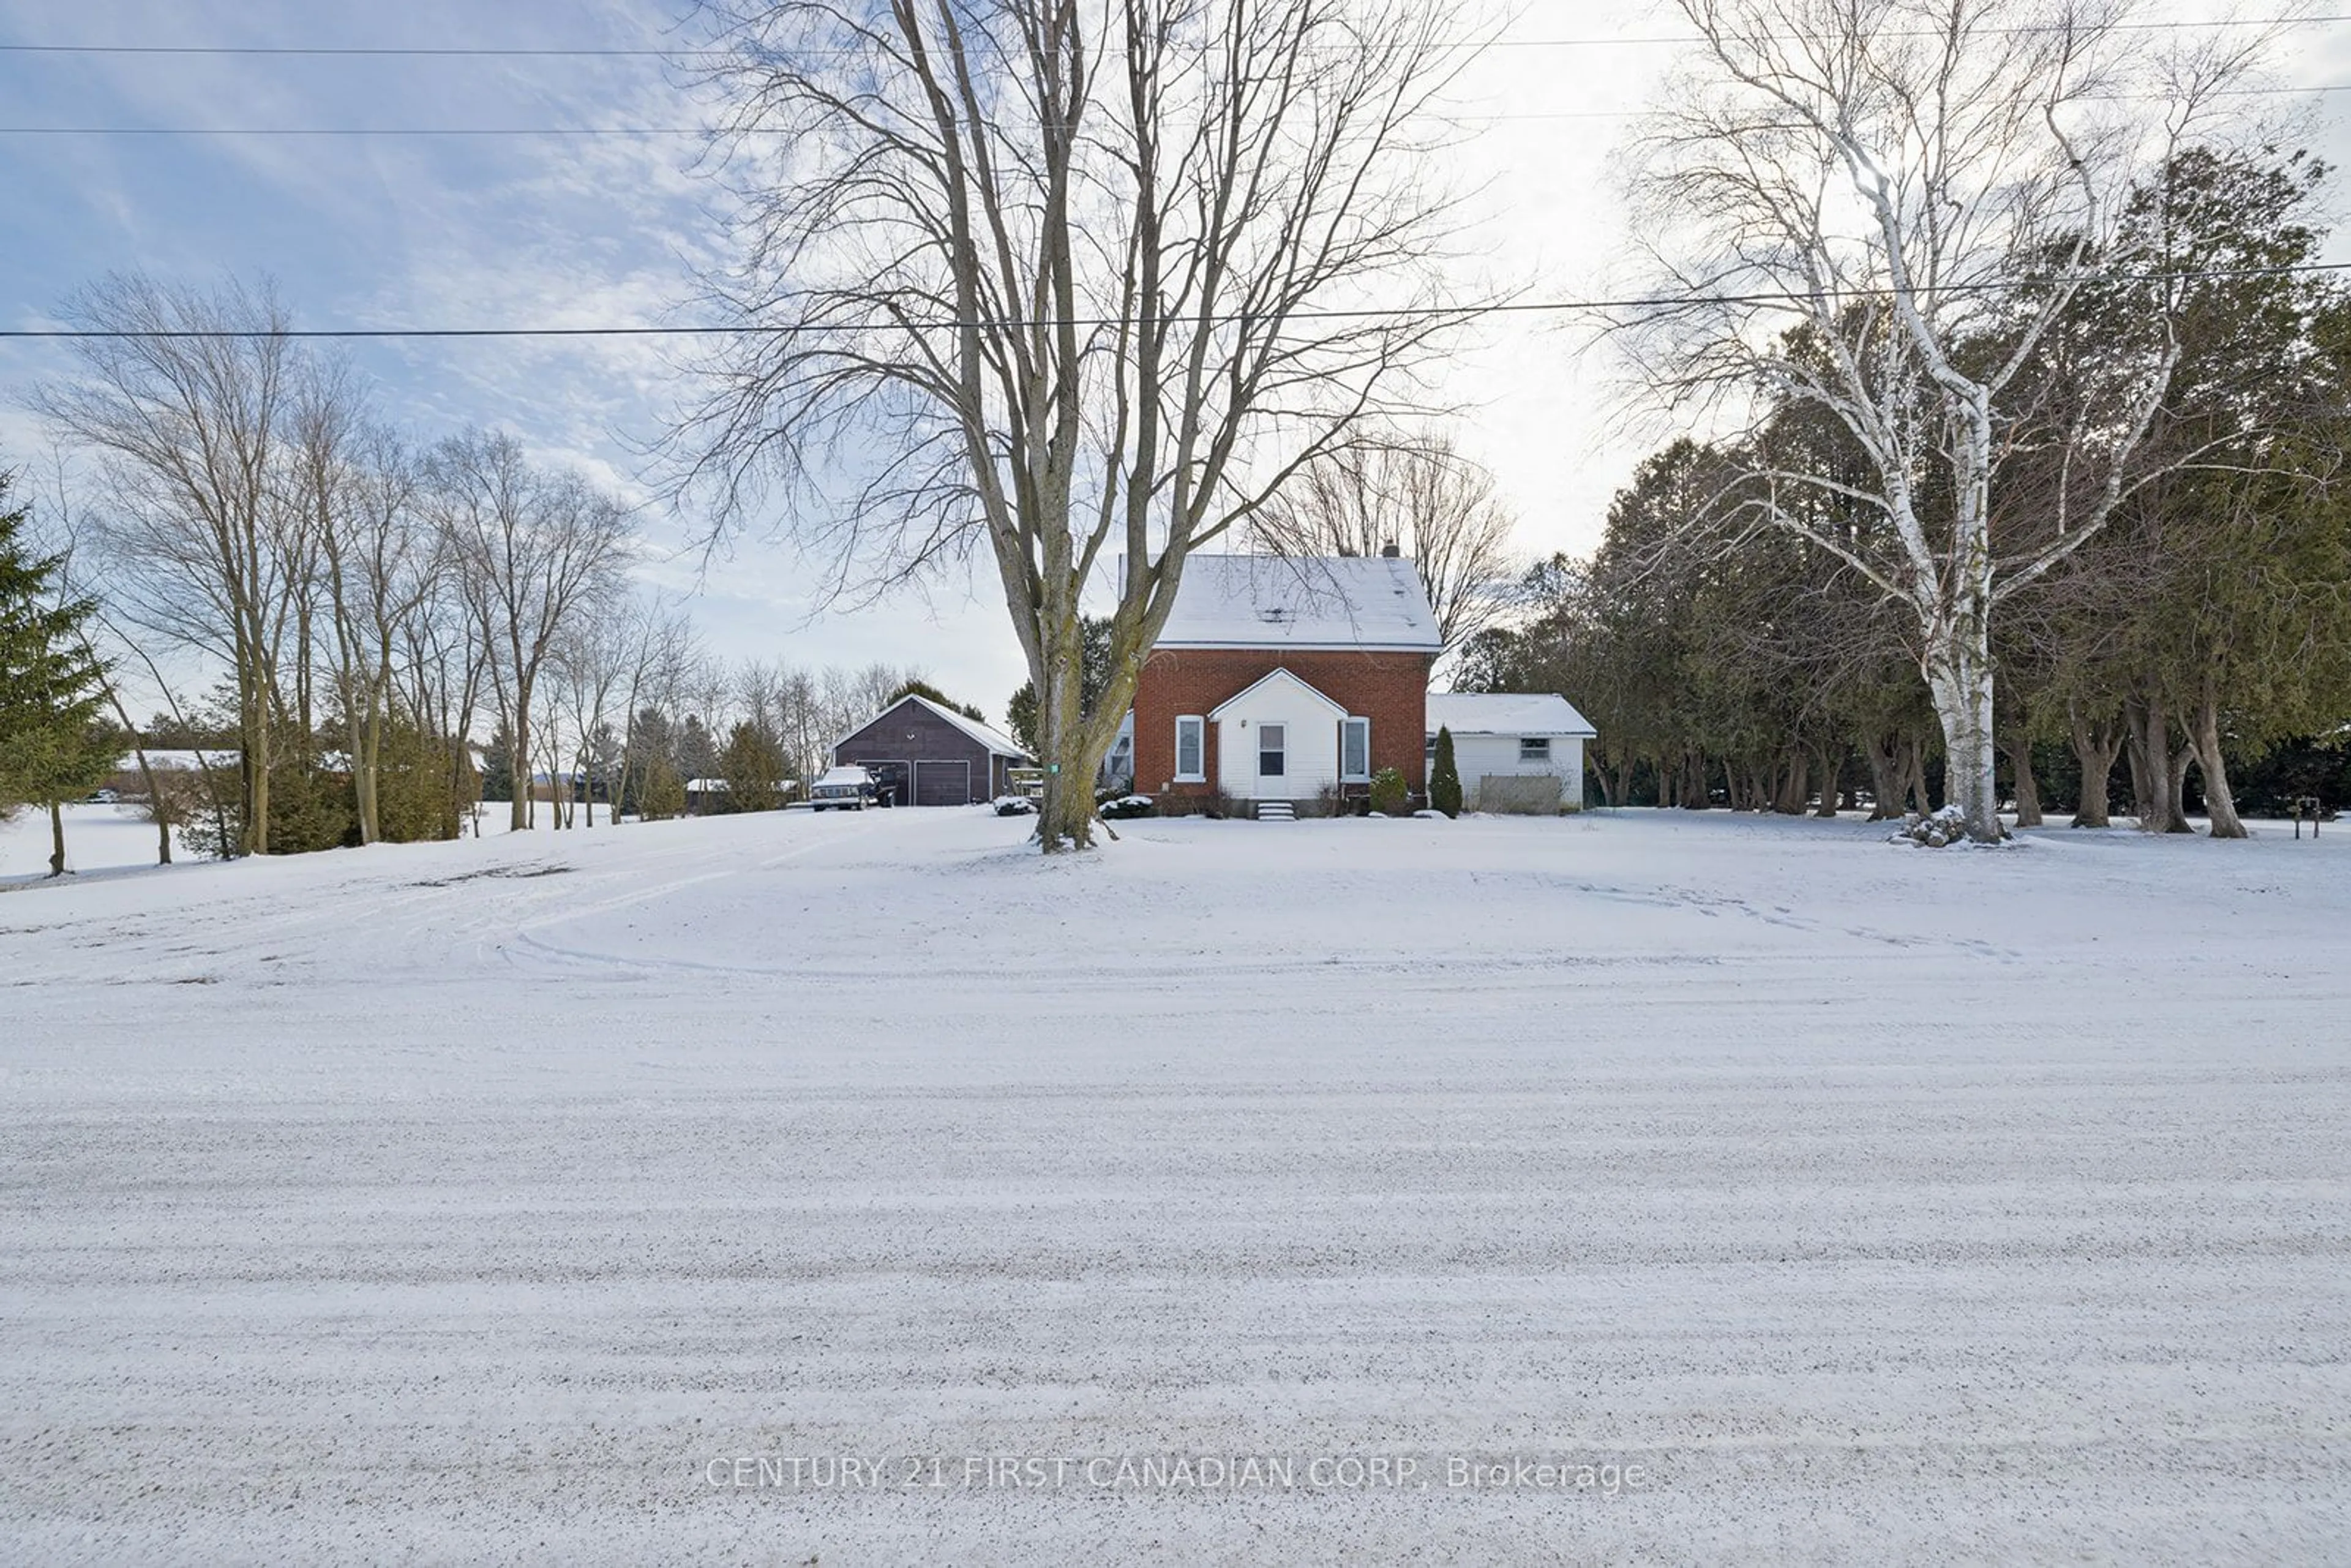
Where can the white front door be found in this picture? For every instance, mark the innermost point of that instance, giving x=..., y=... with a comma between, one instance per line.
x=1258, y=759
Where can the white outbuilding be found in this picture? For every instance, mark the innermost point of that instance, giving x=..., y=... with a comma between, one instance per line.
x=1516, y=751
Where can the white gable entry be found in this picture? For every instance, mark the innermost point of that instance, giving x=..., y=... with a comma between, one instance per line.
x=1278, y=739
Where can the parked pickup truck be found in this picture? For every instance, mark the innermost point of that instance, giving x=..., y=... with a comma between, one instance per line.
x=848, y=786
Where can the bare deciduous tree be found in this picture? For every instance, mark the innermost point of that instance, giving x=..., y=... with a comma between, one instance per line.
x=1882, y=208
x=1066, y=282
x=184, y=396
x=65, y=525
x=379, y=561
x=533, y=550
x=660, y=648
x=1419, y=496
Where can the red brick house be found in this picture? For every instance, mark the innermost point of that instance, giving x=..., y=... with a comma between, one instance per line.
x=1283, y=678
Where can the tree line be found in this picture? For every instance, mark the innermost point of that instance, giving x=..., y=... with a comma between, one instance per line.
x=2204, y=630
x=223, y=494
x=224, y=499
x=2022, y=396
x=706, y=737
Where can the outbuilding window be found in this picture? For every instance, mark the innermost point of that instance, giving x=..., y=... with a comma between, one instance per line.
x=1355, y=750
x=1534, y=748
x=1272, y=750
x=1191, y=749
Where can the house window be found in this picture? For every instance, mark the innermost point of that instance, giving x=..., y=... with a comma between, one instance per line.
x=1534, y=748
x=1355, y=750
x=1191, y=749
x=1428, y=749
x=1272, y=756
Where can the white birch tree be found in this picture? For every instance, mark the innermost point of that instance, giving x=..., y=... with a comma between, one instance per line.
x=1882, y=208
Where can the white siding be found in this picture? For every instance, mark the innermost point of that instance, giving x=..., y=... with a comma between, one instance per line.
x=1313, y=744
x=1479, y=757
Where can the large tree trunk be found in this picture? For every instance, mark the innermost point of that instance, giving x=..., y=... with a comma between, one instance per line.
x=2019, y=746
x=2096, y=744
x=2220, y=803
x=362, y=771
x=1065, y=818
x=253, y=763
x=1697, y=796
x=1959, y=678
x=1883, y=757
x=519, y=759
x=1795, y=785
x=56, y=839
x=2157, y=778
x=2176, y=783
x=1831, y=761
x=372, y=809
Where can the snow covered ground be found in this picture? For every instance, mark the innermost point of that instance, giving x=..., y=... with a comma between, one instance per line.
x=494, y=1199
x=103, y=839
x=98, y=839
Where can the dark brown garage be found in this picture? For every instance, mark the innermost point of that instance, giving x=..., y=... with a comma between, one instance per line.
x=932, y=756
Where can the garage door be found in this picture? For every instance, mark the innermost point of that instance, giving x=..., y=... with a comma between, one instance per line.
x=942, y=783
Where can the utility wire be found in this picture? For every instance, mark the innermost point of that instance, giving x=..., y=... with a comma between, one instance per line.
x=469, y=131
x=366, y=51
x=1401, y=313
x=729, y=131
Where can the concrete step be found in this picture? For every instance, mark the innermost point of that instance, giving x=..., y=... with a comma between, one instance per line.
x=1276, y=812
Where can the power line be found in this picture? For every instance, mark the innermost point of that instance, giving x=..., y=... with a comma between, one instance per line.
x=390, y=51
x=468, y=132
x=705, y=130
x=1402, y=313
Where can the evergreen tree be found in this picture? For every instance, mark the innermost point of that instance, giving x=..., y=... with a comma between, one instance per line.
x=497, y=767
x=650, y=745
x=696, y=756
x=662, y=792
x=930, y=692
x=754, y=770
x=52, y=746
x=1443, y=776
x=1094, y=679
x=413, y=800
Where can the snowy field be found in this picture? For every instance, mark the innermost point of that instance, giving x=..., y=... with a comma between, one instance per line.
x=495, y=1199
x=101, y=841
x=98, y=839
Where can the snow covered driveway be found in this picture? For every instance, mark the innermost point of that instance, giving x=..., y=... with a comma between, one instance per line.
x=516, y=1199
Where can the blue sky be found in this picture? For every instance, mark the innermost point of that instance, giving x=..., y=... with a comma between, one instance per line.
x=413, y=231
x=416, y=231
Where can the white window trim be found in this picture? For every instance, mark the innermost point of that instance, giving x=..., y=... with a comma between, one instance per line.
x=1201, y=751
x=1344, y=724
x=1283, y=752
x=1542, y=740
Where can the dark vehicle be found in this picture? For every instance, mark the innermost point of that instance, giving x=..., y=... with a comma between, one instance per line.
x=848, y=788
